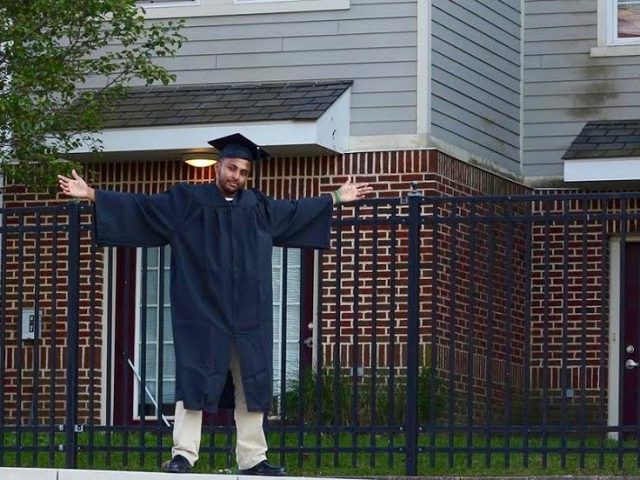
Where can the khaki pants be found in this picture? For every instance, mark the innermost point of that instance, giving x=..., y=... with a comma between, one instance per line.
x=251, y=444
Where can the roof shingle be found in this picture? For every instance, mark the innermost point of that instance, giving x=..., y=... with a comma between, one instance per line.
x=606, y=139
x=213, y=103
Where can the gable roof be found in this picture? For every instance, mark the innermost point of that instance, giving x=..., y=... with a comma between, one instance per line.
x=228, y=103
x=606, y=139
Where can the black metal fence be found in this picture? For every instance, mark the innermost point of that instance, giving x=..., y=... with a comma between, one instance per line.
x=438, y=333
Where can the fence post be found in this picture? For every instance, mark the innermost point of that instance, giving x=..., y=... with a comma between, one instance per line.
x=414, y=199
x=73, y=306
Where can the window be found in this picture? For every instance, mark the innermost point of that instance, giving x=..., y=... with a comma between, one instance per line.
x=150, y=5
x=154, y=2
x=157, y=336
x=159, y=349
x=618, y=28
x=627, y=19
x=201, y=8
x=286, y=334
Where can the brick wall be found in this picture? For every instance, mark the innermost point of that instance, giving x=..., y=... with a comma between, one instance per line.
x=35, y=266
x=36, y=275
x=368, y=325
x=364, y=282
x=569, y=336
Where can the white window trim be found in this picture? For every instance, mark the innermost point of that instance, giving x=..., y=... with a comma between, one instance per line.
x=108, y=352
x=212, y=8
x=608, y=46
x=613, y=390
x=136, y=390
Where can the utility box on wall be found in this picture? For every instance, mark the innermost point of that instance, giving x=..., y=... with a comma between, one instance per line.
x=30, y=321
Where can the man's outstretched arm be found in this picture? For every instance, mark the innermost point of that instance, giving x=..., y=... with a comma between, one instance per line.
x=132, y=219
x=76, y=187
x=307, y=222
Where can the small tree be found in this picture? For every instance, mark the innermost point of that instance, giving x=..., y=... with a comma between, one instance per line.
x=62, y=64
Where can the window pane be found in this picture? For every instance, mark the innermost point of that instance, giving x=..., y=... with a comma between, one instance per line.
x=166, y=298
x=276, y=257
x=167, y=332
x=293, y=323
x=628, y=19
x=152, y=324
x=152, y=257
x=152, y=287
x=150, y=361
x=290, y=346
x=169, y=387
x=151, y=386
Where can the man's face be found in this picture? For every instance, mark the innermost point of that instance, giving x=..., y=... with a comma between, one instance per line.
x=232, y=174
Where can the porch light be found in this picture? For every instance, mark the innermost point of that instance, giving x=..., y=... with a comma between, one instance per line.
x=199, y=160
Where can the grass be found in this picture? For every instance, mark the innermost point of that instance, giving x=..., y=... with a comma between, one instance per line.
x=320, y=402
x=365, y=455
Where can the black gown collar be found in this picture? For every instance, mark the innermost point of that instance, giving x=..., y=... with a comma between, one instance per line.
x=209, y=194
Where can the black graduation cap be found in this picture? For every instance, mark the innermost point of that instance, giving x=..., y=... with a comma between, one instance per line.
x=238, y=146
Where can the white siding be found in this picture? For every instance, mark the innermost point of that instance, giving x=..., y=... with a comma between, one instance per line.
x=564, y=86
x=476, y=77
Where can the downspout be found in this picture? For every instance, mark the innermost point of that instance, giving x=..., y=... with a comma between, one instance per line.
x=522, y=73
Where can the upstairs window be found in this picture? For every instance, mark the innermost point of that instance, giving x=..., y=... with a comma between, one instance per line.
x=146, y=4
x=627, y=21
x=203, y=8
x=618, y=28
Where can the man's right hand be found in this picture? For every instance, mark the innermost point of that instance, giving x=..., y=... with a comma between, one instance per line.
x=76, y=187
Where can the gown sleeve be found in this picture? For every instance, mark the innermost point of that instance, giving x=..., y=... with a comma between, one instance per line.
x=136, y=220
x=301, y=223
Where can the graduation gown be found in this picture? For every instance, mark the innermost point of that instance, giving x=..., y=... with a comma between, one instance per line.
x=221, y=286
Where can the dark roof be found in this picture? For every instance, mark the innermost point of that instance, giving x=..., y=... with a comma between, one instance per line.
x=606, y=139
x=216, y=103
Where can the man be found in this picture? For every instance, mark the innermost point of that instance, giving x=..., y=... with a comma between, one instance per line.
x=221, y=237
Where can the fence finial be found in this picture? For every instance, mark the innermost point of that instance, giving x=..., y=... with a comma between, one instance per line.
x=414, y=190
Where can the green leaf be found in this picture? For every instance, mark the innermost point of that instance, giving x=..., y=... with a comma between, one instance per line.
x=49, y=50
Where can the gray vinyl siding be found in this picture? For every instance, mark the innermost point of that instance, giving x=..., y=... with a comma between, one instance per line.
x=373, y=43
x=476, y=77
x=564, y=87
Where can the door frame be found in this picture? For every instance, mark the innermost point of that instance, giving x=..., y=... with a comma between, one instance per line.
x=614, y=413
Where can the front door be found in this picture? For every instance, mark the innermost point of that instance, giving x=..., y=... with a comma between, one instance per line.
x=630, y=345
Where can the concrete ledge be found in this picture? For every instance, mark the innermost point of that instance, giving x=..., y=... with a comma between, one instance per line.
x=63, y=474
x=508, y=477
x=28, y=474
x=124, y=475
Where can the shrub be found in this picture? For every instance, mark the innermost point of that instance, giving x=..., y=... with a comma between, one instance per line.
x=333, y=398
